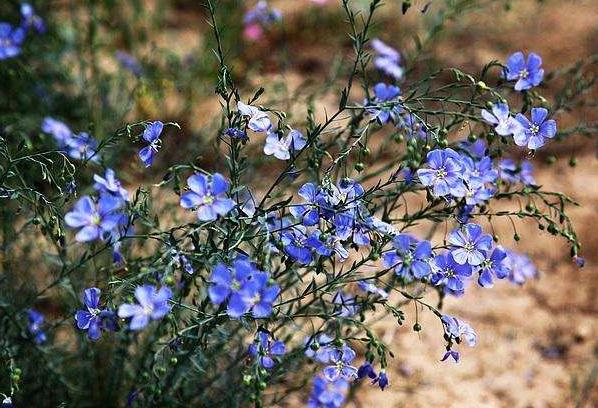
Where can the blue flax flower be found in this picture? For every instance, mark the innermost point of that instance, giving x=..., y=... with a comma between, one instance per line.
x=527, y=73
x=153, y=304
x=387, y=59
x=520, y=267
x=265, y=349
x=36, y=320
x=468, y=244
x=456, y=330
x=328, y=394
x=59, y=130
x=493, y=266
x=110, y=185
x=444, y=174
x=319, y=347
x=409, y=257
x=96, y=220
x=534, y=133
x=449, y=273
x=385, y=106
x=281, y=148
x=151, y=134
x=258, y=120
x=346, y=305
x=82, y=146
x=500, y=118
x=31, y=20
x=255, y=296
x=207, y=196
x=295, y=245
x=381, y=380
x=371, y=288
x=366, y=370
x=341, y=359
x=93, y=318
x=11, y=40
x=227, y=281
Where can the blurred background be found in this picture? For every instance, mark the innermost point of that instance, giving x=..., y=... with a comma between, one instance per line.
x=151, y=59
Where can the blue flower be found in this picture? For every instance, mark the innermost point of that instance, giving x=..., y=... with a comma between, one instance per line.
x=444, y=174
x=36, y=320
x=59, y=130
x=328, y=394
x=527, y=74
x=151, y=134
x=11, y=40
x=265, y=349
x=371, y=288
x=456, y=330
x=281, y=148
x=533, y=133
x=319, y=347
x=294, y=241
x=366, y=370
x=245, y=287
x=493, y=265
x=387, y=59
x=153, y=304
x=412, y=127
x=409, y=257
x=96, y=221
x=326, y=245
x=346, y=305
x=255, y=296
x=309, y=211
x=31, y=20
x=225, y=281
x=468, y=244
x=520, y=267
x=207, y=196
x=341, y=359
x=449, y=273
x=110, y=185
x=348, y=225
x=501, y=119
x=478, y=173
x=385, y=105
x=381, y=380
x=92, y=318
x=258, y=120
x=82, y=146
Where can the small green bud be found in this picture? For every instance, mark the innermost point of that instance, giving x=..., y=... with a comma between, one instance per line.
x=359, y=166
x=472, y=137
x=573, y=162
x=516, y=237
x=262, y=386
x=173, y=361
x=417, y=327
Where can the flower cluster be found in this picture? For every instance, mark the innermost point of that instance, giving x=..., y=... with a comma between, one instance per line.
x=459, y=176
x=244, y=287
